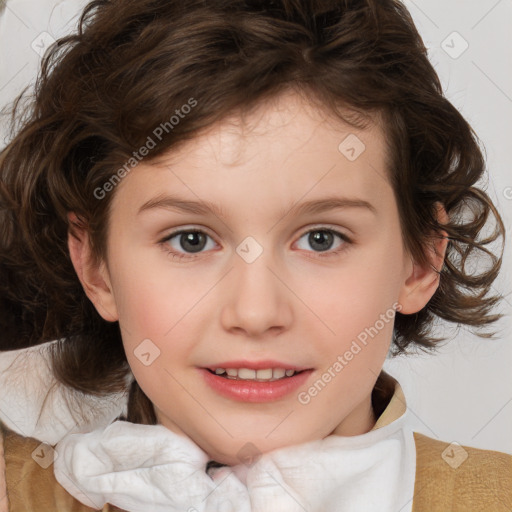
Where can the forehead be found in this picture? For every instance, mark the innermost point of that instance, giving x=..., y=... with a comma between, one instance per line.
x=282, y=150
x=288, y=121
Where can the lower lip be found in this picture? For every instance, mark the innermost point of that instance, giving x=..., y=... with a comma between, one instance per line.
x=254, y=391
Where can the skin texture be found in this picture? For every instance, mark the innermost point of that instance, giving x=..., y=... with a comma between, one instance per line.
x=294, y=303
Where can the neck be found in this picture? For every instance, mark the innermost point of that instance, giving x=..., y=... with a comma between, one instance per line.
x=361, y=420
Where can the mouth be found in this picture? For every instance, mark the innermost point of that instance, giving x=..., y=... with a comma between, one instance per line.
x=260, y=375
x=262, y=381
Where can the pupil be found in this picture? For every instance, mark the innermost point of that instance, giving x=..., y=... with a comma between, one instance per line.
x=193, y=241
x=322, y=238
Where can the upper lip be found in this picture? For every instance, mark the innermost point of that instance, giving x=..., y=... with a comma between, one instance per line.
x=257, y=365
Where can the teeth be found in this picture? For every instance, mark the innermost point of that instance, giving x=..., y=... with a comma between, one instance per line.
x=261, y=374
x=245, y=373
x=267, y=374
x=279, y=373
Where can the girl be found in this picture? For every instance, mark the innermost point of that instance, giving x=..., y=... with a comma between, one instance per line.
x=237, y=209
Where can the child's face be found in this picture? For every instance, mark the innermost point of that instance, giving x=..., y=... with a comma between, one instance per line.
x=292, y=306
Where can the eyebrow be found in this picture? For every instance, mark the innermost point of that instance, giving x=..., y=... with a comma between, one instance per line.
x=170, y=202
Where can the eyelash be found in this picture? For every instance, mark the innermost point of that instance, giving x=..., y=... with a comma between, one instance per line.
x=322, y=254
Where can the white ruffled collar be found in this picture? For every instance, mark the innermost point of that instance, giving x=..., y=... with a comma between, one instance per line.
x=148, y=468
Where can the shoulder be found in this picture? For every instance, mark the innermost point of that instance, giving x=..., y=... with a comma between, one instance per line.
x=26, y=472
x=459, y=478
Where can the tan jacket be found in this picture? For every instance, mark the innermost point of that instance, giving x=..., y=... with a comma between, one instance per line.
x=446, y=481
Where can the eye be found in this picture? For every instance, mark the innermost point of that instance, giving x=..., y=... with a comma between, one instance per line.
x=321, y=239
x=191, y=241
x=187, y=243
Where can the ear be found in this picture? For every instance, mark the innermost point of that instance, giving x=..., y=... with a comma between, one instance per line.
x=94, y=277
x=423, y=281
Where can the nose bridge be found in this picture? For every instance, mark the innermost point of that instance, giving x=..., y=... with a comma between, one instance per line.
x=258, y=300
x=252, y=267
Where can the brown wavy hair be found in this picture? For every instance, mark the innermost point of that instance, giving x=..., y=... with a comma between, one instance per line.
x=132, y=64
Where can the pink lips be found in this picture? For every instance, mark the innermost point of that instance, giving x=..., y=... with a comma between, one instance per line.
x=254, y=391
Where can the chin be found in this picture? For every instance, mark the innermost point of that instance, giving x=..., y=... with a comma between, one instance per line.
x=248, y=450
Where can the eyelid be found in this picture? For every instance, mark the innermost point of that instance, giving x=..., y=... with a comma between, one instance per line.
x=187, y=229
x=324, y=226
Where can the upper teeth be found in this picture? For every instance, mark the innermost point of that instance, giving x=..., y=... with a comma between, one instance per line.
x=248, y=374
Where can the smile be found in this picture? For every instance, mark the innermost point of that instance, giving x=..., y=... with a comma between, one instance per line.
x=263, y=375
x=250, y=381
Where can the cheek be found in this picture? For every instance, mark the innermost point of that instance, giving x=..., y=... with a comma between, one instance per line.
x=155, y=311
x=355, y=293
x=355, y=307
x=151, y=297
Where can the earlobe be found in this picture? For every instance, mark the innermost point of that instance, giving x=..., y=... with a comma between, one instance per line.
x=94, y=277
x=423, y=280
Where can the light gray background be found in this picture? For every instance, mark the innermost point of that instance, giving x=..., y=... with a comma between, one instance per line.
x=464, y=393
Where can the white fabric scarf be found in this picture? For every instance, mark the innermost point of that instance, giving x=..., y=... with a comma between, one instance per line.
x=148, y=468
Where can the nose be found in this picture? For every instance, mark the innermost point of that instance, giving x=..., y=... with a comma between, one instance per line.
x=257, y=301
